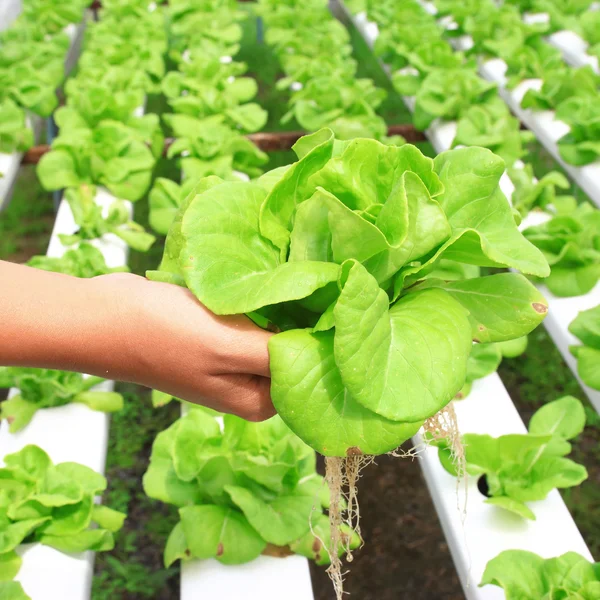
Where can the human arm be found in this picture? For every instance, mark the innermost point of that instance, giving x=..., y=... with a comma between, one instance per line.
x=126, y=328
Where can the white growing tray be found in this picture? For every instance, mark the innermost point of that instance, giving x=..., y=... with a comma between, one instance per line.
x=68, y=433
x=487, y=530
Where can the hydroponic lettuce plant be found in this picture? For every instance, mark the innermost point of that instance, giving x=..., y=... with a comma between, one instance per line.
x=581, y=145
x=45, y=388
x=90, y=104
x=241, y=489
x=190, y=21
x=449, y=93
x=571, y=244
x=501, y=31
x=492, y=126
x=564, y=14
x=28, y=87
x=459, y=12
x=84, y=261
x=415, y=42
x=210, y=147
x=520, y=468
x=164, y=200
x=112, y=155
x=32, y=66
x=52, y=505
x=118, y=79
x=313, y=235
x=430, y=55
x=486, y=358
x=94, y=222
x=54, y=15
x=562, y=85
x=526, y=576
x=15, y=134
x=130, y=42
x=538, y=60
x=368, y=349
x=285, y=17
x=531, y=193
x=347, y=107
x=586, y=327
x=590, y=30
x=208, y=86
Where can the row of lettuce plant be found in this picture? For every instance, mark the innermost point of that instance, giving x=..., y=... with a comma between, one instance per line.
x=212, y=105
x=445, y=85
x=428, y=70
x=53, y=505
x=571, y=92
x=315, y=53
x=100, y=136
x=569, y=238
x=104, y=137
x=254, y=486
x=580, y=17
x=522, y=468
x=32, y=67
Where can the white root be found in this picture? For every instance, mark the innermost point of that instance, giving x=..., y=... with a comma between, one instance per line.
x=342, y=475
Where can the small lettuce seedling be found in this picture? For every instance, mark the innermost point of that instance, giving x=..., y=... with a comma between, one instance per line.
x=581, y=145
x=210, y=147
x=45, y=388
x=112, y=154
x=522, y=468
x=562, y=85
x=52, y=505
x=84, y=261
x=532, y=193
x=15, y=135
x=164, y=200
x=570, y=244
x=586, y=327
x=240, y=489
x=526, y=576
x=93, y=224
x=486, y=358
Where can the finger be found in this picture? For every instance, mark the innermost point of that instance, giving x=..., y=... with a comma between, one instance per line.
x=247, y=396
x=247, y=350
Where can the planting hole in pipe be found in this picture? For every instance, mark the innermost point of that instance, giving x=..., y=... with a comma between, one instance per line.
x=483, y=487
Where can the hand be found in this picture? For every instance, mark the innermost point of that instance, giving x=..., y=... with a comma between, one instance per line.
x=126, y=328
x=170, y=342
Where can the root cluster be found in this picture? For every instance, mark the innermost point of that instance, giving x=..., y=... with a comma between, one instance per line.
x=342, y=474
